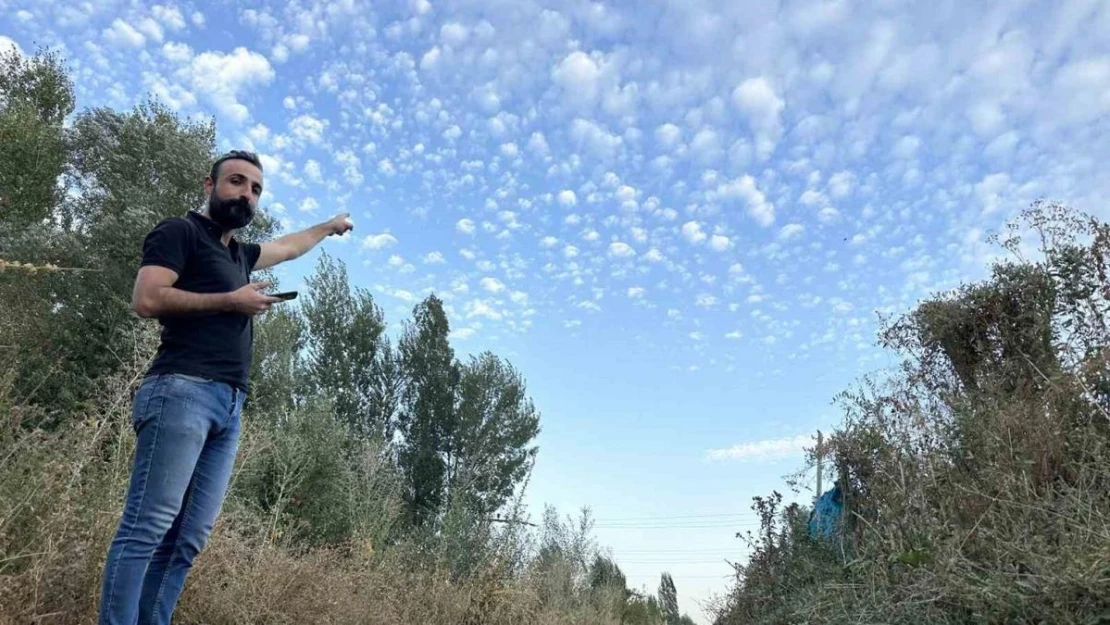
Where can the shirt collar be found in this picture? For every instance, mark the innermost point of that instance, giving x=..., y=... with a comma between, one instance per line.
x=212, y=228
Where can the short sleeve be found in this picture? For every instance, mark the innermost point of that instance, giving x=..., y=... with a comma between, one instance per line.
x=251, y=252
x=167, y=245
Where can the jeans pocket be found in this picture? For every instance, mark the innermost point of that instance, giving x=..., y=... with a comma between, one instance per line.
x=144, y=405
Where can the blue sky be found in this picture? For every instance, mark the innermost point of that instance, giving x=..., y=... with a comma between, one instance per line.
x=678, y=220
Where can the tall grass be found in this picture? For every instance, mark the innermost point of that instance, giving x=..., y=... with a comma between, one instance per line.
x=976, y=476
x=285, y=550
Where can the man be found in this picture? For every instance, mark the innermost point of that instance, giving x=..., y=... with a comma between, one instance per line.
x=195, y=279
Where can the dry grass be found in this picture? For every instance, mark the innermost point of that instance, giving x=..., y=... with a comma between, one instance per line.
x=60, y=498
x=977, y=476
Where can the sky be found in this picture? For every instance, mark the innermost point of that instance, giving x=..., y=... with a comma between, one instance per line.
x=680, y=221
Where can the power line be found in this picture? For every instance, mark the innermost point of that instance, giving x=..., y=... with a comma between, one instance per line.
x=747, y=525
x=679, y=517
x=664, y=552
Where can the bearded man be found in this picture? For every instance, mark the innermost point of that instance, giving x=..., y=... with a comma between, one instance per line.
x=195, y=279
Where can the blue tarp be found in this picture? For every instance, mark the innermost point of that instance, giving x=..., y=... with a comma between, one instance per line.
x=824, y=521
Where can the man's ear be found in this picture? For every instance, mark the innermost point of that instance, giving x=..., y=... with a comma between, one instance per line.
x=209, y=185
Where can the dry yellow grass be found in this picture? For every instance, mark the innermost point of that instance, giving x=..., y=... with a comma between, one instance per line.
x=60, y=499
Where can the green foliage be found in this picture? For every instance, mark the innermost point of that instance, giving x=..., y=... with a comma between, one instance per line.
x=349, y=357
x=668, y=599
x=277, y=369
x=36, y=96
x=489, y=452
x=976, y=475
x=427, y=418
x=316, y=484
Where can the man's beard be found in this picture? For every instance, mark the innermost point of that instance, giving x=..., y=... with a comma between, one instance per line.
x=231, y=213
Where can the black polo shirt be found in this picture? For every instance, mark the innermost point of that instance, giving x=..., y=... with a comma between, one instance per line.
x=214, y=345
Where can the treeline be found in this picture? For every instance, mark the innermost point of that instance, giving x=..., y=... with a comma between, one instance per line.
x=975, y=478
x=377, y=483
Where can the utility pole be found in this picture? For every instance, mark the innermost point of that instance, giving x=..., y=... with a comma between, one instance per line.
x=820, y=455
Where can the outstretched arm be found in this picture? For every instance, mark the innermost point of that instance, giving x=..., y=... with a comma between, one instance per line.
x=296, y=244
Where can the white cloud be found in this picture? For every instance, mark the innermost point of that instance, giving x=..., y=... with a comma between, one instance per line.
x=992, y=190
x=756, y=98
x=169, y=16
x=618, y=249
x=482, y=308
x=789, y=231
x=596, y=139
x=706, y=144
x=379, y=241
x=309, y=205
x=462, y=333
x=454, y=34
x=493, y=285
x=692, y=232
x=907, y=147
x=668, y=135
x=308, y=129
x=224, y=78
x=841, y=183
x=312, y=171
x=123, y=35
x=636, y=292
x=452, y=133
x=762, y=211
x=538, y=143
x=567, y=198
x=719, y=243
x=549, y=242
x=578, y=75
x=351, y=166
x=705, y=300
x=1087, y=83
x=434, y=258
x=151, y=29
x=774, y=449
x=465, y=226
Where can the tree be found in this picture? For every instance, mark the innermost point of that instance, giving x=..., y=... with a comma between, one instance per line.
x=127, y=172
x=277, y=369
x=350, y=360
x=489, y=452
x=36, y=97
x=427, y=409
x=668, y=599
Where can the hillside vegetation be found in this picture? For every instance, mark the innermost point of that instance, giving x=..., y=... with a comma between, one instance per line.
x=376, y=483
x=976, y=477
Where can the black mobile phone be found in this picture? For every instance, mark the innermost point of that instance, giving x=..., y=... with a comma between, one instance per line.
x=288, y=295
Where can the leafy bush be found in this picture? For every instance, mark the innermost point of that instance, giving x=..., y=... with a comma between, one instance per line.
x=977, y=476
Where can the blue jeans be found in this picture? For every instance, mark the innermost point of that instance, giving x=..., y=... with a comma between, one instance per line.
x=187, y=431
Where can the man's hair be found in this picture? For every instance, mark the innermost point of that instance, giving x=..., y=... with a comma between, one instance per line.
x=241, y=155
